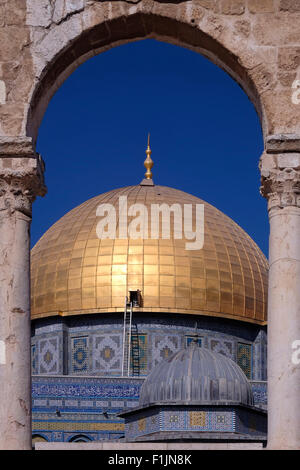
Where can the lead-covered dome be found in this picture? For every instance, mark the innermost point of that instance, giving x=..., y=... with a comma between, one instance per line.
x=73, y=272
x=196, y=375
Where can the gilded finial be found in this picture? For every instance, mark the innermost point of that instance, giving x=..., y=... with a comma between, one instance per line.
x=148, y=163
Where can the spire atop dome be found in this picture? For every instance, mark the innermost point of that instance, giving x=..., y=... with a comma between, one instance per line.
x=148, y=164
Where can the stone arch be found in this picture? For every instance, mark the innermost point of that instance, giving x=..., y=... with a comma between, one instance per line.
x=89, y=30
x=258, y=43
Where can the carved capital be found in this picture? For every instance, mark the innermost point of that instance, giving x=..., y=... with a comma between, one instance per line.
x=280, y=179
x=21, y=180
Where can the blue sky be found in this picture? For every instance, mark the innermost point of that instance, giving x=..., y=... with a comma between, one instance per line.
x=205, y=134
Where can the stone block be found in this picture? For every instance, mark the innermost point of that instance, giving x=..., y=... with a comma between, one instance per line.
x=15, y=12
x=283, y=143
x=208, y=4
x=261, y=6
x=39, y=13
x=12, y=41
x=232, y=7
x=288, y=160
x=289, y=5
x=2, y=92
x=288, y=58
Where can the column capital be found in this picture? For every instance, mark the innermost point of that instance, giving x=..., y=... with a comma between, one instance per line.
x=280, y=179
x=21, y=179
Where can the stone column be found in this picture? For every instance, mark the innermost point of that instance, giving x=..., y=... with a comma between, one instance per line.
x=280, y=170
x=21, y=180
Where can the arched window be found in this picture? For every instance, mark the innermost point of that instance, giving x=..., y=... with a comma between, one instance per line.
x=80, y=438
x=38, y=438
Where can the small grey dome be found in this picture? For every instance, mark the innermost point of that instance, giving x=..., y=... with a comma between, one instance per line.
x=196, y=375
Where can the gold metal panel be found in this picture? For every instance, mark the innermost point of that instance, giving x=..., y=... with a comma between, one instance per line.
x=228, y=277
x=151, y=291
x=103, y=269
x=135, y=259
x=88, y=281
x=119, y=269
x=89, y=261
x=135, y=268
x=167, y=302
x=167, y=280
x=136, y=249
x=183, y=292
x=167, y=269
x=182, y=281
x=91, y=252
x=136, y=279
x=119, y=259
x=151, y=259
x=89, y=271
x=74, y=283
x=151, y=280
x=199, y=282
x=118, y=291
x=151, y=269
x=118, y=280
x=166, y=260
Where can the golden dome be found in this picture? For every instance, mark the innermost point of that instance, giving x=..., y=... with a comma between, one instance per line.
x=75, y=273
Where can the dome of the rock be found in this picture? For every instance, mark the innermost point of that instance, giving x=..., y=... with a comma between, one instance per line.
x=118, y=286
x=75, y=272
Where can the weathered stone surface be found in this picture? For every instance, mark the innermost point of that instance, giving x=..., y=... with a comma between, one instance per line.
x=209, y=4
x=39, y=13
x=276, y=30
x=2, y=92
x=12, y=118
x=289, y=5
x=261, y=6
x=12, y=41
x=288, y=58
x=16, y=146
x=283, y=143
x=15, y=12
x=232, y=7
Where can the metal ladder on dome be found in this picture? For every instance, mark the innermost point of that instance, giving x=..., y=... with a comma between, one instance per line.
x=131, y=353
x=135, y=350
x=126, y=338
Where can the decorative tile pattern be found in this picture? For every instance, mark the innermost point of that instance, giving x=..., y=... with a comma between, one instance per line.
x=142, y=424
x=259, y=390
x=140, y=342
x=113, y=395
x=172, y=420
x=244, y=358
x=197, y=418
x=222, y=346
x=34, y=358
x=161, y=336
x=107, y=353
x=164, y=346
x=48, y=355
x=79, y=351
